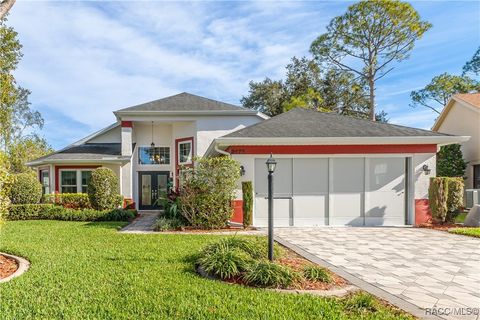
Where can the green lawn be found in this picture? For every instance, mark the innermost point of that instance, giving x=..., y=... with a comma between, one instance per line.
x=89, y=271
x=461, y=218
x=472, y=232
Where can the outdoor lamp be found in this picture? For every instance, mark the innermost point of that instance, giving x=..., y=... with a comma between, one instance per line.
x=426, y=169
x=271, y=163
x=242, y=171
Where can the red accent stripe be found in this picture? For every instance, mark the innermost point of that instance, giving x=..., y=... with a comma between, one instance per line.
x=57, y=173
x=127, y=124
x=334, y=149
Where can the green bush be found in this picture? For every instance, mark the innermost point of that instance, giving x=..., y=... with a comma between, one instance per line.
x=69, y=200
x=360, y=302
x=247, y=192
x=270, y=275
x=5, y=184
x=25, y=188
x=103, y=189
x=450, y=161
x=208, y=190
x=166, y=224
x=256, y=247
x=54, y=212
x=316, y=273
x=445, y=197
x=225, y=261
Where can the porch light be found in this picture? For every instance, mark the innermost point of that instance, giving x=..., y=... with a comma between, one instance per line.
x=271, y=164
x=426, y=169
x=242, y=171
x=152, y=145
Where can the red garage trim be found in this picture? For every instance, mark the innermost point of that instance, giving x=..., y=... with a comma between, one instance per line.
x=127, y=124
x=423, y=215
x=57, y=173
x=334, y=149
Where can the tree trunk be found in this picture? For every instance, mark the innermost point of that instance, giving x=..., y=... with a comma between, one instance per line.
x=5, y=6
x=371, y=85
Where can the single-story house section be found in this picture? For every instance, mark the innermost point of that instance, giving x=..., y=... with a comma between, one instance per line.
x=332, y=169
x=336, y=170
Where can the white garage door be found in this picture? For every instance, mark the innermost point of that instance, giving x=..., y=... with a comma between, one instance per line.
x=333, y=191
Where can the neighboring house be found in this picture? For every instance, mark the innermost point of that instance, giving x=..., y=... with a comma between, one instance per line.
x=332, y=169
x=336, y=170
x=461, y=116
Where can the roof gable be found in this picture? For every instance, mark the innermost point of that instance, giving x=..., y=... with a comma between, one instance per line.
x=466, y=100
x=301, y=122
x=183, y=102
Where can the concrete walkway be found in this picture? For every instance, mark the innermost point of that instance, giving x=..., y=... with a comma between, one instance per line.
x=144, y=223
x=415, y=269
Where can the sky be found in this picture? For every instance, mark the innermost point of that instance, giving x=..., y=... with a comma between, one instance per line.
x=83, y=60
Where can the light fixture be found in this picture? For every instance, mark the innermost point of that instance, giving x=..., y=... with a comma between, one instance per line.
x=152, y=145
x=242, y=171
x=426, y=169
x=271, y=163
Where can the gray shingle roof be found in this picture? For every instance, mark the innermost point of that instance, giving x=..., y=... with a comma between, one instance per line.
x=184, y=102
x=301, y=122
x=88, y=151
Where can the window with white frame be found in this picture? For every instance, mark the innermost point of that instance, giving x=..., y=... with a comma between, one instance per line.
x=185, y=152
x=155, y=155
x=74, y=181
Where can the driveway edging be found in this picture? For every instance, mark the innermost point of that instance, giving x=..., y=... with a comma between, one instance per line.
x=400, y=303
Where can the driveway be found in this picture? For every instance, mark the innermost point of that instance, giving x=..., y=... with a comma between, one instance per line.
x=413, y=268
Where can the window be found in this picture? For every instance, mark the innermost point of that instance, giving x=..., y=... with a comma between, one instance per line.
x=156, y=155
x=185, y=152
x=476, y=176
x=45, y=181
x=74, y=181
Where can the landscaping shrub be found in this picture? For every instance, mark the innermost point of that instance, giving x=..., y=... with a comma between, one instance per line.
x=103, y=189
x=445, y=197
x=165, y=224
x=170, y=202
x=270, y=275
x=207, y=192
x=54, y=212
x=360, y=302
x=69, y=200
x=247, y=192
x=450, y=161
x=225, y=261
x=256, y=247
x=315, y=273
x=5, y=180
x=25, y=188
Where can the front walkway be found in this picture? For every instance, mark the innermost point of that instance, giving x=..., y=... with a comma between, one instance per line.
x=144, y=223
x=413, y=268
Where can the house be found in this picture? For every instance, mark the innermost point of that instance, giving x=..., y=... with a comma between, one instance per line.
x=461, y=116
x=332, y=169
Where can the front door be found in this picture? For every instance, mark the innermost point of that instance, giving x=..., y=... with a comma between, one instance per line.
x=152, y=185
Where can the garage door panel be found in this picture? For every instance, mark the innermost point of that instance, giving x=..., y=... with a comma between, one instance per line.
x=385, y=174
x=282, y=178
x=281, y=212
x=309, y=210
x=310, y=176
x=346, y=208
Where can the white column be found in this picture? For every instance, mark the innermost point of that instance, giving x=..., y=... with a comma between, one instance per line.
x=126, y=141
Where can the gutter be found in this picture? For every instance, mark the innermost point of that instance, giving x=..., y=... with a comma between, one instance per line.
x=221, y=151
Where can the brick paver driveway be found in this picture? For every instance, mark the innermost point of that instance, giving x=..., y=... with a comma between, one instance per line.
x=423, y=267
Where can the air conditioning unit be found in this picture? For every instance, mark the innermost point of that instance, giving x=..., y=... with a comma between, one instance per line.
x=471, y=197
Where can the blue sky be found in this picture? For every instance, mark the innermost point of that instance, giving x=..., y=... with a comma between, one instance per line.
x=83, y=60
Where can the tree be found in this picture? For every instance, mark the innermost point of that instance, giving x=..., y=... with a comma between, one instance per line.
x=5, y=6
x=436, y=94
x=24, y=150
x=473, y=66
x=266, y=96
x=450, y=162
x=368, y=38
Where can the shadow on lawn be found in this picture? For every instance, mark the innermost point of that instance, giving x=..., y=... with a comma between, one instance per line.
x=106, y=225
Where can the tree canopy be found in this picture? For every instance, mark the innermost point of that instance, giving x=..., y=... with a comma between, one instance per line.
x=472, y=67
x=368, y=38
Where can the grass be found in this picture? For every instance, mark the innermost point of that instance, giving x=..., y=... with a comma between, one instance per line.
x=461, y=218
x=90, y=271
x=472, y=232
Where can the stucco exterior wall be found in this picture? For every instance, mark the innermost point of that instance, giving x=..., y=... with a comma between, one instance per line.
x=421, y=180
x=465, y=121
x=111, y=136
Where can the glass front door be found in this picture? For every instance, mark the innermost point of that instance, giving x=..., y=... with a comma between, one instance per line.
x=152, y=186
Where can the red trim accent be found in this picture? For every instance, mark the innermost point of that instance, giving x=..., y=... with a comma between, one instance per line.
x=237, y=216
x=333, y=149
x=177, y=165
x=423, y=214
x=127, y=124
x=57, y=173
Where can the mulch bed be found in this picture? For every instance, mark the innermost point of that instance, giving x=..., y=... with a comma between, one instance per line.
x=7, y=266
x=194, y=230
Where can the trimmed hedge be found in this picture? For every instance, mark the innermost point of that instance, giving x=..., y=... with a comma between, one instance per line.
x=25, y=189
x=69, y=200
x=247, y=191
x=54, y=212
x=103, y=189
x=445, y=197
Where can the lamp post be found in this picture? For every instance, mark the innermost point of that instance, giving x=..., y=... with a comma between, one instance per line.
x=271, y=163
